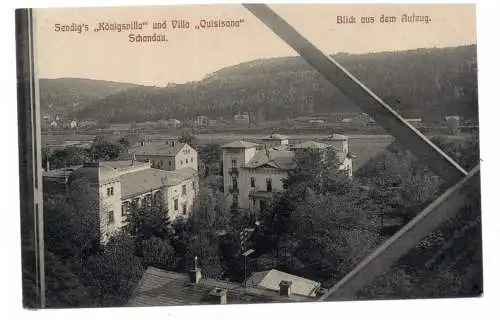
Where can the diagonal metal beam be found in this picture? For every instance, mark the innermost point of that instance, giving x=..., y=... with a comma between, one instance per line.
x=442, y=209
x=382, y=113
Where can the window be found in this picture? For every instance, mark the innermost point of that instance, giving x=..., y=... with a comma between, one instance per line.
x=187, y=161
x=183, y=189
x=235, y=182
x=109, y=191
x=184, y=209
x=161, y=163
x=176, y=205
x=191, y=160
x=169, y=163
x=252, y=182
x=181, y=161
x=233, y=163
x=111, y=217
x=269, y=185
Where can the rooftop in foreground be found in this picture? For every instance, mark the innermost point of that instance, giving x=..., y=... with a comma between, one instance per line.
x=165, y=288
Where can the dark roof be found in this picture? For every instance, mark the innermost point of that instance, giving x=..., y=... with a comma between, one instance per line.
x=165, y=288
x=158, y=148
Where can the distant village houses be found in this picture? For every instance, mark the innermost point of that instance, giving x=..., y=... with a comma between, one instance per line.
x=363, y=120
x=173, y=123
x=241, y=119
x=201, y=121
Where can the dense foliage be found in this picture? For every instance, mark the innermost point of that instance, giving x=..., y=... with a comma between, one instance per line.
x=101, y=149
x=69, y=94
x=324, y=222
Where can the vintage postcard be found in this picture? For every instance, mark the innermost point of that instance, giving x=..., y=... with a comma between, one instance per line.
x=248, y=153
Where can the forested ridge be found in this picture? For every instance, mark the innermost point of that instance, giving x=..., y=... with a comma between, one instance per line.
x=428, y=83
x=69, y=95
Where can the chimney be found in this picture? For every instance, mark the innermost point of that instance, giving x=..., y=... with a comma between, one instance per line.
x=195, y=273
x=219, y=296
x=286, y=288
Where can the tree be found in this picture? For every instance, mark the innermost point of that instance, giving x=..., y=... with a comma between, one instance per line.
x=63, y=287
x=189, y=138
x=333, y=233
x=106, y=150
x=209, y=159
x=158, y=253
x=73, y=223
x=147, y=222
x=112, y=274
x=398, y=183
x=317, y=171
x=209, y=212
x=66, y=157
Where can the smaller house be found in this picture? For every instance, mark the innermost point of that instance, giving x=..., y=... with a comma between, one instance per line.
x=87, y=123
x=272, y=279
x=363, y=119
x=173, y=123
x=242, y=119
x=73, y=124
x=201, y=121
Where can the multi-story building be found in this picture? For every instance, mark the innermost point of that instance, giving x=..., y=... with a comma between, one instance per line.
x=166, y=154
x=253, y=173
x=201, y=121
x=242, y=119
x=114, y=187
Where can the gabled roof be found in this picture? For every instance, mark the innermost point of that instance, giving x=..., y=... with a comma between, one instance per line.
x=165, y=288
x=239, y=145
x=274, y=158
x=271, y=279
x=158, y=148
x=310, y=145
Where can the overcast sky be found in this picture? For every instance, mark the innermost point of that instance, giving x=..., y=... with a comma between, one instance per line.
x=191, y=54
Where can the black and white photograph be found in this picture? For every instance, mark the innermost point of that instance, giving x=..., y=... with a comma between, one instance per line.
x=223, y=154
